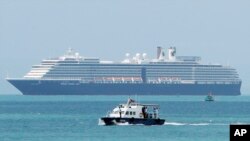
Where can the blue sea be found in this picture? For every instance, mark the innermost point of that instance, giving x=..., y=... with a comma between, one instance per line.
x=75, y=118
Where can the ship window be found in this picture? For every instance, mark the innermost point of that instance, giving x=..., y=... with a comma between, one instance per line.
x=127, y=113
x=130, y=113
x=133, y=113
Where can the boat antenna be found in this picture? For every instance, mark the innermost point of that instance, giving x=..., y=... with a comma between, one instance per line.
x=137, y=98
x=7, y=74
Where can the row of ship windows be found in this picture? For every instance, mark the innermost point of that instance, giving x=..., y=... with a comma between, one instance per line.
x=148, y=77
x=130, y=113
x=138, y=70
x=139, y=73
x=107, y=75
x=153, y=77
x=85, y=71
x=127, y=112
x=148, y=80
x=153, y=66
x=110, y=73
x=90, y=69
x=133, y=68
x=128, y=69
x=134, y=72
x=138, y=67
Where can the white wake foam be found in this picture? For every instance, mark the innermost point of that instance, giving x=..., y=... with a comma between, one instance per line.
x=174, y=123
x=186, y=124
x=123, y=124
x=199, y=124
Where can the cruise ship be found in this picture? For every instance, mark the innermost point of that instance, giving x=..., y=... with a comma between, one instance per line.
x=167, y=74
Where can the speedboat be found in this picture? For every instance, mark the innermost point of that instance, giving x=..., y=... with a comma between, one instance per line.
x=209, y=97
x=133, y=113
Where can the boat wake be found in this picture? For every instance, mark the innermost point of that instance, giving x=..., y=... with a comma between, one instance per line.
x=174, y=123
x=123, y=124
x=192, y=124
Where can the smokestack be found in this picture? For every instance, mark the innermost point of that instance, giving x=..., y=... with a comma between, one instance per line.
x=159, y=49
x=171, y=53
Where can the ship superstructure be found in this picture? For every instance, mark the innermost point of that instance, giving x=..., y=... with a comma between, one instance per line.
x=72, y=74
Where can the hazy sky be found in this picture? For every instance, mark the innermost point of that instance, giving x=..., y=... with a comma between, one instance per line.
x=32, y=30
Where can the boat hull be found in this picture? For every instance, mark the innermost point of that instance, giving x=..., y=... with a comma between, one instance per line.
x=140, y=121
x=74, y=87
x=209, y=98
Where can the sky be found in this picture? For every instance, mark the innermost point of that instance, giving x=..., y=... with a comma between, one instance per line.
x=32, y=30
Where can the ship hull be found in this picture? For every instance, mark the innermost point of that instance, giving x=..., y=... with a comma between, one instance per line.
x=74, y=87
x=141, y=121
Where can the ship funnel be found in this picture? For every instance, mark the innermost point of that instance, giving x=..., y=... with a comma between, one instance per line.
x=144, y=55
x=171, y=53
x=159, y=49
x=160, y=53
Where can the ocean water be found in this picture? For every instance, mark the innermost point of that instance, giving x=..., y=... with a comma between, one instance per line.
x=75, y=118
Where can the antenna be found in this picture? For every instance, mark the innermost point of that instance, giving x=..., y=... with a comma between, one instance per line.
x=228, y=63
x=7, y=74
x=136, y=98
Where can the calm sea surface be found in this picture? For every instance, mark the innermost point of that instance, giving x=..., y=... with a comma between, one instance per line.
x=75, y=118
